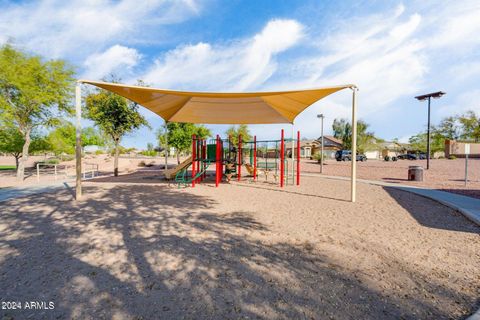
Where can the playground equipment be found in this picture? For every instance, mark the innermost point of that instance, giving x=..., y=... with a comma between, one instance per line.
x=218, y=108
x=172, y=172
x=269, y=157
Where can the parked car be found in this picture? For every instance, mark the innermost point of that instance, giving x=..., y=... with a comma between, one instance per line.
x=422, y=156
x=407, y=156
x=346, y=155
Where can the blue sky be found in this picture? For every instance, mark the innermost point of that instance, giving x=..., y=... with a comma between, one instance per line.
x=392, y=50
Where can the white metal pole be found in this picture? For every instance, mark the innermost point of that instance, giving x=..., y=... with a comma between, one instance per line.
x=78, y=146
x=321, y=151
x=293, y=156
x=166, y=146
x=354, y=147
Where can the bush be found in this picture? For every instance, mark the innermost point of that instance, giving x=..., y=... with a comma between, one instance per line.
x=142, y=164
x=51, y=161
x=98, y=152
x=149, y=153
x=317, y=156
x=452, y=157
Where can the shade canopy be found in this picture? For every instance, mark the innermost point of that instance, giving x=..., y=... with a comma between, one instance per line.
x=221, y=108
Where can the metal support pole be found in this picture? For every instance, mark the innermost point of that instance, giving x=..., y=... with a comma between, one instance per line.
x=254, y=158
x=428, y=135
x=217, y=162
x=466, y=169
x=354, y=147
x=293, y=154
x=321, y=150
x=239, y=173
x=166, y=146
x=298, y=158
x=194, y=148
x=78, y=141
x=282, y=158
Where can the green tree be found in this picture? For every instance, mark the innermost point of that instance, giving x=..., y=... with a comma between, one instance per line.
x=449, y=128
x=470, y=126
x=235, y=131
x=180, y=134
x=63, y=138
x=114, y=116
x=33, y=93
x=12, y=141
x=342, y=130
x=418, y=142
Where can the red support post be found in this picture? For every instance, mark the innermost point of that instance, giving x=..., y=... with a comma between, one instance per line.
x=194, y=149
x=282, y=159
x=217, y=162
x=298, y=158
x=204, y=146
x=239, y=173
x=254, y=158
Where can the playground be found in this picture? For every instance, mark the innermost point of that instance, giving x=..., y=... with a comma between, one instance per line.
x=235, y=231
x=136, y=248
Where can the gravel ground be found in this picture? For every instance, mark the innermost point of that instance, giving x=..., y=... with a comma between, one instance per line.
x=141, y=249
x=447, y=175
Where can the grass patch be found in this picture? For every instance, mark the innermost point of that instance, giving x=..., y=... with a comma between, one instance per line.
x=3, y=167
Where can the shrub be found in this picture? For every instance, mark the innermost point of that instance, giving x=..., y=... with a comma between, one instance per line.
x=142, y=164
x=317, y=156
x=452, y=157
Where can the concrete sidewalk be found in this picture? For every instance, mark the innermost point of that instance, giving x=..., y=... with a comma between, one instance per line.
x=469, y=207
x=15, y=192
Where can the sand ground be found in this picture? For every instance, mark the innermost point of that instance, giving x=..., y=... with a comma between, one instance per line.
x=444, y=174
x=137, y=248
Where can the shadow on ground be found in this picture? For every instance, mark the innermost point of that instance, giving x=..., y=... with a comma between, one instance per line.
x=153, y=252
x=426, y=214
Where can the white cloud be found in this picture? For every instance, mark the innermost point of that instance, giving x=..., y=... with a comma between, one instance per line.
x=239, y=65
x=116, y=59
x=58, y=28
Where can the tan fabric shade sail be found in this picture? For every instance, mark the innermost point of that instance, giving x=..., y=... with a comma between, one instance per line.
x=221, y=108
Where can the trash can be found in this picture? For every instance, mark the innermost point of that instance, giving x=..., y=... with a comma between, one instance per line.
x=415, y=173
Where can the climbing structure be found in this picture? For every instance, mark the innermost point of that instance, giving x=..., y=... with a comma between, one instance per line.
x=270, y=158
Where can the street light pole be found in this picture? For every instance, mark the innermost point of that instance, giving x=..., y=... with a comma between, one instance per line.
x=429, y=97
x=321, y=147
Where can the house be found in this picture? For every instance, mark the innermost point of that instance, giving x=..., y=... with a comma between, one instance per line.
x=331, y=146
x=392, y=148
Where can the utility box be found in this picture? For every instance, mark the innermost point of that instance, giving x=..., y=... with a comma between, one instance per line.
x=415, y=173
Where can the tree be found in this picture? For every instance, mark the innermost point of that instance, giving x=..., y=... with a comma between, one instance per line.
x=12, y=141
x=343, y=130
x=235, y=131
x=180, y=134
x=33, y=93
x=449, y=128
x=114, y=116
x=470, y=124
x=63, y=138
x=418, y=142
